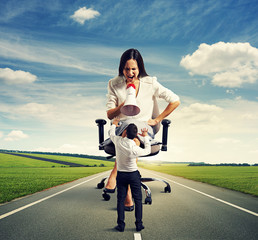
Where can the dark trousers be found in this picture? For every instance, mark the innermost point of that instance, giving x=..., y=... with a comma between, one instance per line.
x=134, y=180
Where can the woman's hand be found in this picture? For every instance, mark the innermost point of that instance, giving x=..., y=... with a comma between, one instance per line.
x=153, y=122
x=114, y=112
x=169, y=109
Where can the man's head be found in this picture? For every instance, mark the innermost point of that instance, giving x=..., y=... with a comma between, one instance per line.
x=131, y=131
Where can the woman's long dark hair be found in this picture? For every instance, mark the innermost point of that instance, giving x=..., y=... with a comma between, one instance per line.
x=132, y=54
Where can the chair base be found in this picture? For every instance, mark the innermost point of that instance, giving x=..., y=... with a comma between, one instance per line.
x=148, y=200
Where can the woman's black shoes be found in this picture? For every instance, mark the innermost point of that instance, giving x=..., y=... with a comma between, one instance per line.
x=106, y=190
x=129, y=208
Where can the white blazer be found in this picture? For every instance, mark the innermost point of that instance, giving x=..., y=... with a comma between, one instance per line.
x=149, y=91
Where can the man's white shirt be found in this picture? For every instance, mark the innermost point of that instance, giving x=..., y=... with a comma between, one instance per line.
x=127, y=151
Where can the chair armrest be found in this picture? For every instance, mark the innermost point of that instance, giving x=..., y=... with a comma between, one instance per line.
x=100, y=124
x=165, y=123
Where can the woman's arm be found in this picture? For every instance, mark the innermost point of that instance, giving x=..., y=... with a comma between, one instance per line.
x=168, y=110
x=114, y=112
x=169, y=96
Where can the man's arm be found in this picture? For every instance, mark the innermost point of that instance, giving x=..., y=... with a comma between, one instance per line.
x=146, y=141
x=113, y=129
x=112, y=132
x=147, y=147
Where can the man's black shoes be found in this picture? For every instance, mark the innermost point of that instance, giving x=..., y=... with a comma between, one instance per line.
x=120, y=228
x=139, y=228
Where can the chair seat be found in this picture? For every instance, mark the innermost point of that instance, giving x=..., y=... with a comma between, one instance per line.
x=110, y=149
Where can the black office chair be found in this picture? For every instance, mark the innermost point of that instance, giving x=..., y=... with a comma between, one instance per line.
x=155, y=148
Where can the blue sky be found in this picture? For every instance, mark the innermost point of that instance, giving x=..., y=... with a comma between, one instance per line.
x=56, y=58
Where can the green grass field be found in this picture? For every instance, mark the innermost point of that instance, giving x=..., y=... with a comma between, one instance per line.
x=243, y=179
x=20, y=176
x=78, y=160
x=10, y=161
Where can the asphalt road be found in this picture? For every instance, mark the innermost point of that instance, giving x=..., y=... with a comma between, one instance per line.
x=76, y=211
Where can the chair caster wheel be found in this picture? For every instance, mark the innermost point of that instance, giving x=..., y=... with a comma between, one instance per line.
x=167, y=189
x=100, y=185
x=148, y=200
x=106, y=196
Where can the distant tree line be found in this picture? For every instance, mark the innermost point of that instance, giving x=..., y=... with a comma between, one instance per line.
x=112, y=159
x=222, y=164
x=62, y=154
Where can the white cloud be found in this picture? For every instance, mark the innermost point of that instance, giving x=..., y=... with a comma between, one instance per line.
x=235, y=77
x=69, y=148
x=250, y=116
x=16, y=135
x=81, y=147
x=67, y=57
x=200, y=115
x=224, y=140
x=228, y=64
x=222, y=131
x=10, y=76
x=73, y=111
x=1, y=134
x=230, y=91
x=36, y=109
x=83, y=14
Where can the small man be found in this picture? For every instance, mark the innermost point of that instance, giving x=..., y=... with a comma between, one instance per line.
x=127, y=152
